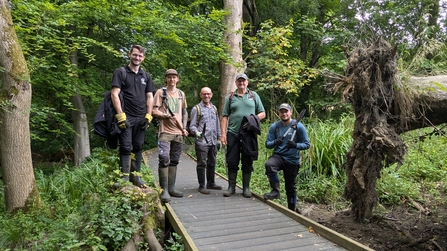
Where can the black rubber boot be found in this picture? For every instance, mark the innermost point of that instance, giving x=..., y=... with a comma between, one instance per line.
x=246, y=185
x=291, y=206
x=210, y=183
x=274, y=194
x=231, y=184
x=125, y=169
x=163, y=180
x=201, y=179
x=172, y=175
x=135, y=175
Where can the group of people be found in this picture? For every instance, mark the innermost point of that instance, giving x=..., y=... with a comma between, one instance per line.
x=237, y=131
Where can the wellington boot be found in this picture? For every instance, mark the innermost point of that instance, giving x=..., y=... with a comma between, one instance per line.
x=274, y=194
x=210, y=183
x=172, y=175
x=125, y=169
x=135, y=168
x=201, y=179
x=163, y=180
x=291, y=206
x=246, y=185
x=231, y=184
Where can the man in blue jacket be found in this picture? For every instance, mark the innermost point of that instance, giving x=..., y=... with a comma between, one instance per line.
x=287, y=138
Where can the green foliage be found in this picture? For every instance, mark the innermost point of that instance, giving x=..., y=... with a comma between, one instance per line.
x=117, y=221
x=393, y=189
x=426, y=158
x=78, y=211
x=329, y=143
x=269, y=49
x=321, y=189
x=174, y=243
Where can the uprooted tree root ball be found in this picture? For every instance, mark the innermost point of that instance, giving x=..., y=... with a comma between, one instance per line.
x=382, y=108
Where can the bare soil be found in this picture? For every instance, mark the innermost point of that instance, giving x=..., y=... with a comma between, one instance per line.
x=408, y=226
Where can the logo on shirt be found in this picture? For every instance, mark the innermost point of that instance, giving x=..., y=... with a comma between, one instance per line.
x=143, y=81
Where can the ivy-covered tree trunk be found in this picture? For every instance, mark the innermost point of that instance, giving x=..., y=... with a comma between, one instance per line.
x=15, y=103
x=233, y=39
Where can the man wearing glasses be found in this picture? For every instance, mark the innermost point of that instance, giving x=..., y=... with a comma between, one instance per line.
x=205, y=126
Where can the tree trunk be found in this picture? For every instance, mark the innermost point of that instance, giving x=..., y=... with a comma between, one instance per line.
x=15, y=102
x=82, y=139
x=384, y=108
x=233, y=37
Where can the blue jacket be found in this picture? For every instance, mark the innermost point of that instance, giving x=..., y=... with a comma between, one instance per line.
x=290, y=155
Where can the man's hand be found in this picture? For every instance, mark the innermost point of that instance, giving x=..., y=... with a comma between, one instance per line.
x=122, y=120
x=291, y=144
x=278, y=142
x=199, y=135
x=147, y=122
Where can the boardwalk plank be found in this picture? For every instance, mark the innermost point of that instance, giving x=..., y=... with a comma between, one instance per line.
x=214, y=222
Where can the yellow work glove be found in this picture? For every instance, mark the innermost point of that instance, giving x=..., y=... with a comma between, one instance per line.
x=122, y=120
x=148, y=117
x=147, y=122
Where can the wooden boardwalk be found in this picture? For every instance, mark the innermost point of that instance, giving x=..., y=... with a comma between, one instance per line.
x=214, y=222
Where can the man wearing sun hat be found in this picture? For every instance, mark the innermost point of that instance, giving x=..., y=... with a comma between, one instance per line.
x=287, y=138
x=170, y=107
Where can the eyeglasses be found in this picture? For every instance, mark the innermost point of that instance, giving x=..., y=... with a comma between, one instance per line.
x=206, y=93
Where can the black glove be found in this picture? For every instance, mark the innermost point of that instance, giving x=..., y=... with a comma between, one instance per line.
x=278, y=142
x=291, y=144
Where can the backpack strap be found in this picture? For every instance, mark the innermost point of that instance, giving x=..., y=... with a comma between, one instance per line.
x=124, y=74
x=199, y=111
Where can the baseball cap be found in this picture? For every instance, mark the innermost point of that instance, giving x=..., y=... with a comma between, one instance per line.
x=241, y=75
x=171, y=72
x=285, y=106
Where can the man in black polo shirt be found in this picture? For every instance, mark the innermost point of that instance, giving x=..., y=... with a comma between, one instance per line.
x=134, y=116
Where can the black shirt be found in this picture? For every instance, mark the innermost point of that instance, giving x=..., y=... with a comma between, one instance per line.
x=134, y=87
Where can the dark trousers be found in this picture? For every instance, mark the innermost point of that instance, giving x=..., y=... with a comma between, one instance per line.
x=234, y=155
x=132, y=138
x=276, y=163
x=206, y=156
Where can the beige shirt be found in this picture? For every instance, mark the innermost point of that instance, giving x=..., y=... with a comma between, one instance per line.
x=176, y=102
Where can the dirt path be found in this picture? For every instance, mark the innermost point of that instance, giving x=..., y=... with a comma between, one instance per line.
x=399, y=228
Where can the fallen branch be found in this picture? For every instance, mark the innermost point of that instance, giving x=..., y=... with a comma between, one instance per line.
x=437, y=245
x=422, y=240
x=416, y=205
